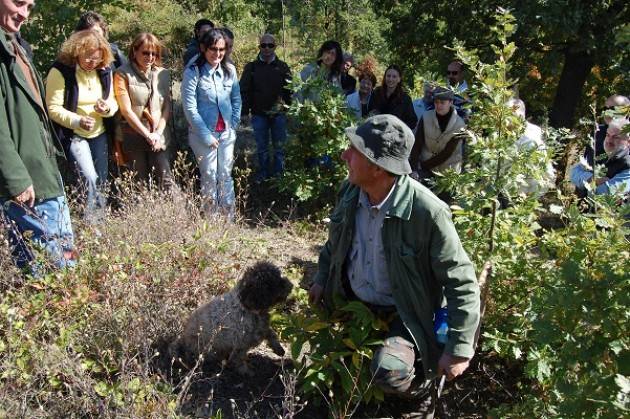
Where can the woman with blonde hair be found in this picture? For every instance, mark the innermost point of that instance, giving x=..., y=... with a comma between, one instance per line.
x=142, y=89
x=79, y=97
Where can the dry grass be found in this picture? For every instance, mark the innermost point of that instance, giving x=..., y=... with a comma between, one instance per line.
x=84, y=343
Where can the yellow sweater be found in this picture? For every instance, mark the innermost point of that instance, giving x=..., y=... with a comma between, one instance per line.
x=89, y=91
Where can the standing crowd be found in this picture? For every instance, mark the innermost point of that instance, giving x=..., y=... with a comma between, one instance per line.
x=392, y=243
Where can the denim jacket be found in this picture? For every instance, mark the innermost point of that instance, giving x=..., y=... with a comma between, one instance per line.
x=205, y=92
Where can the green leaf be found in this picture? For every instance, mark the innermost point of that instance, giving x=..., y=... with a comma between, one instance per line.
x=350, y=344
x=617, y=346
x=516, y=352
x=312, y=327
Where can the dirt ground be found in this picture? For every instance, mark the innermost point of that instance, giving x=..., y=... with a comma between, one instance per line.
x=487, y=384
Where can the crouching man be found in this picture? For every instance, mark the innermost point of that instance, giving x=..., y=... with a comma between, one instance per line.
x=33, y=205
x=393, y=246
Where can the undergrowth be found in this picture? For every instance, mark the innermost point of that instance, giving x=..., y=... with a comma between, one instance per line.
x=86, y=342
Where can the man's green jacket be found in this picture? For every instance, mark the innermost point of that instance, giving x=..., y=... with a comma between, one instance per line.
x=425, y=262
x=27, y=146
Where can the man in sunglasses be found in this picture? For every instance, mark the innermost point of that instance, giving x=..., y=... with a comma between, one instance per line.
x=455, y=76
x=264, y=92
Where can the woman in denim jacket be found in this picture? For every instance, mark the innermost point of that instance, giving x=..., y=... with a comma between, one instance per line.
x=212, y=104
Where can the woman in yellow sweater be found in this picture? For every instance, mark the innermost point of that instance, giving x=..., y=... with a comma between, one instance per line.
x=79, y=97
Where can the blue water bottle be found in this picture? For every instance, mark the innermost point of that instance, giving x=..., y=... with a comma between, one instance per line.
x=440, y=325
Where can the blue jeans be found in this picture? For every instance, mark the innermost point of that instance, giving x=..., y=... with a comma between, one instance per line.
x=262, y=125
x=49, y=227
x=215, y=168
x=90, y=158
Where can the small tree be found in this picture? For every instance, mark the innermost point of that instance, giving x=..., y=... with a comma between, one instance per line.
x=558, y=298
x=314, y=169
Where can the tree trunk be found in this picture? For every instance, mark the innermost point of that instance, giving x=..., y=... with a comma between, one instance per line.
x=577, y=67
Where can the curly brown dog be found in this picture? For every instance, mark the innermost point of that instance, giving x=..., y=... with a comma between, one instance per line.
x=233, y=323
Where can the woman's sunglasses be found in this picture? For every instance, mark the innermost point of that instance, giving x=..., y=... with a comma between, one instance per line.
x=269, y=45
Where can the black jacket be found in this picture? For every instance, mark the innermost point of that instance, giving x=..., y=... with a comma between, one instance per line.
x=401, y=107
x=263, y=85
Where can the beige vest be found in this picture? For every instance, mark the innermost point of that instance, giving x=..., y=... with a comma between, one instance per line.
x=435, y=140
x=140, y=91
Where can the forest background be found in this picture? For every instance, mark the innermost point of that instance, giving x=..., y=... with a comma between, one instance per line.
x=568, y=51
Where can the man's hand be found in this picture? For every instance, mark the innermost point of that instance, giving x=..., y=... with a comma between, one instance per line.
x=214, y=143
x=27, y=197
x=452, y=366
x=315, y=294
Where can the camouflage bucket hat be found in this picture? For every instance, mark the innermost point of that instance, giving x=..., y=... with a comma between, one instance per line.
x=386, y=141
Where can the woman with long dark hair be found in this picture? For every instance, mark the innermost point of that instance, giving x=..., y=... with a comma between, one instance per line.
x=328, y=65
x=390, y=98
x=212, y=104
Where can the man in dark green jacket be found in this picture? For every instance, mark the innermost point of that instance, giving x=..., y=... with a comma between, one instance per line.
x=31, y=191
x=392, y=244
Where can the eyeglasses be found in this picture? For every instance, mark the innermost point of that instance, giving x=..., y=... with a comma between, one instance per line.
x=452, y=73
x=92, y=60
x=149, y=53
x=215, y=49
x=269, y=45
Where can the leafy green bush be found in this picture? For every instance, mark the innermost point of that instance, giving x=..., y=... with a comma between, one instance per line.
x=580, y=349
x=314, y=168
x=339, y=348
x=558, y=298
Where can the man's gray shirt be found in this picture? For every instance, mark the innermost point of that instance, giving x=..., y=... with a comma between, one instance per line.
x=366, y=266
